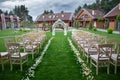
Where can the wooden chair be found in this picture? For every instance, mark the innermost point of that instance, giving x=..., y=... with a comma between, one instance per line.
x=102, y=59
x=91, y=49
x=30, y=48
x=16, y=57
x=115, y=59
x=3, y=58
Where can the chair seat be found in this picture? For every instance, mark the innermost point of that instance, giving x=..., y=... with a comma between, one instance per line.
x=2, y=54
x=114, y=57
x=90, y=51
x=17, y=56
x=30, y=47
x=95, y=58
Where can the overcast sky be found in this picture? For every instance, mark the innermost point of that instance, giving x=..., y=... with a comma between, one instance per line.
x=37, y=7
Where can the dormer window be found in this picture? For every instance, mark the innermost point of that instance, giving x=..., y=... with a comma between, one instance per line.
x=53, y=16
x=93, y=12
x=119, y=6
x=43, y=17
x=62, y=15
x=50, y=16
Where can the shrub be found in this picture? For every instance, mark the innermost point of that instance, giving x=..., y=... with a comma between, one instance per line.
x=94, y=29
x=118, y=17
x=110, y=30
x=90, y=26
x=76, y=24
x=100, y=19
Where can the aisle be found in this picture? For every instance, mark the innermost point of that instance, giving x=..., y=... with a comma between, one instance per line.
x=59, y=62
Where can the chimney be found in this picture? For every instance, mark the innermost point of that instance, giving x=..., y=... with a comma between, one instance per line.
x=93, y=12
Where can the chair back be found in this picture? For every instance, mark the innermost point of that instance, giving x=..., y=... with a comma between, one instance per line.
x=112, y=41
x=13, y=49
x=104, y=51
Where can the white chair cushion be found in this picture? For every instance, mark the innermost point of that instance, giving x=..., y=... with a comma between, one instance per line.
x=114, y=57
x=95, y=58
x=91, y=51
x=17, y=56
x=2, y=54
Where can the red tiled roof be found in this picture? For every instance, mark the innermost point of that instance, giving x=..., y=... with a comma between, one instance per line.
x=54, y=17
x=114, y=12
x=96, y=14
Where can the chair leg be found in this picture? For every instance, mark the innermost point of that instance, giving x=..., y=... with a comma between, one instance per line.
x=108, y=68
x=11, y=67
x=21, y=65
x=2, y=66
x=115, y=67
x=32, y=54
x=97, y=69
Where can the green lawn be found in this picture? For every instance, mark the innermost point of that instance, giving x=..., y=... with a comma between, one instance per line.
x=16, y=74
x=8, y=33
x=103, y=71
x=59, y=62
x=117, y=36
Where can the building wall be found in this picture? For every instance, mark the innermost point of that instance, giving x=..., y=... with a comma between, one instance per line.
x=87, y=20
x=112, y=24
x=50, y=23
x=100, y=24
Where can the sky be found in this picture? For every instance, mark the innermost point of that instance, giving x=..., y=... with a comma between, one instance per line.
x=37, y=7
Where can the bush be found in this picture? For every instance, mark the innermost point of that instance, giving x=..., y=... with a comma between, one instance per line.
x=110, y=30
x=100, y=19
x=90, y=26
x=118, y=17
x=76, y=24
x=94, y=29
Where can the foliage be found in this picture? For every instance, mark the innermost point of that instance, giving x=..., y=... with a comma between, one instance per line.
x=118, y=17
x=103, y=5
x=77, y=10
x=94, y=28
x=76, y=24
x=22, y=12
x=48, y=12
x=107, y=24
x=90, y=25
x=100, y=19
x=23, y=23
x=8, y=24
x=109, y=30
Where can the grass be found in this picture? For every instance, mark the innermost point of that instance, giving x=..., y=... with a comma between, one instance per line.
x=16, y=74
x=59, y=62
x=7, y=33
x=117, y=36
x=102, y=71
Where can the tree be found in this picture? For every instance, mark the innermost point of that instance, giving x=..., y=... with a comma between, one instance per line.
x=23, y=23
x=85, y=5
x=10, y=13
x=90, y=25
x=62, y=12
x=51, y=12
x=1, y=11
x=76, y=24
x=118, y=22
x=22, y=12
x=6, y=12
x=77, y=10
